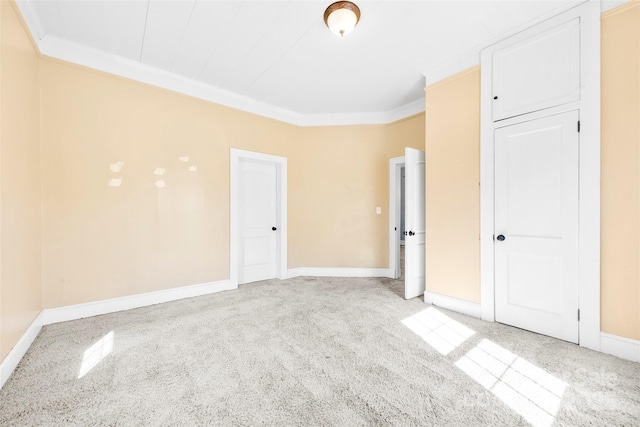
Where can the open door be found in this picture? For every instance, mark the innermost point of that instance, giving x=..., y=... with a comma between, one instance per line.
x=414, y=220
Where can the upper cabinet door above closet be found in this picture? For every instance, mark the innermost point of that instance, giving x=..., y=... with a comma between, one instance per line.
x=538, y=73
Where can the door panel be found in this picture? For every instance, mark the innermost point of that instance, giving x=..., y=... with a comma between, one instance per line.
x=536, y=210
x=537, y=73
x=258, y=214
x=535, y=183
x=414, y=245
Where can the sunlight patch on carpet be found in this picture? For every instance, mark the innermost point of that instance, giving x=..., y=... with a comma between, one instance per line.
x=438, y=330
x=94, y=354
x=530, y=391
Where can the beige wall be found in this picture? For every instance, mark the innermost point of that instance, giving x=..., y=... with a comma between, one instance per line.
x=620, y=262
x=338, y=176
x=104, y=242
x=452, y=186
x=20, y=274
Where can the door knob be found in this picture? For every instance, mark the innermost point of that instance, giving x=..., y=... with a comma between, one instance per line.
x=411, y=233
x=273, y=228
x=500, y=237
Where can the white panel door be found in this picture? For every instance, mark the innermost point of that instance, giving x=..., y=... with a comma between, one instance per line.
x=257, y=221
x=414, y=220
x=536, y=225
x=537, y=73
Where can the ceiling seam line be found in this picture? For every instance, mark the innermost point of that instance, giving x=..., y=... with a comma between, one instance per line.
x=261, y=37
x=215, y=48
x=173, y=63
x=144, y=33
x=280, y=57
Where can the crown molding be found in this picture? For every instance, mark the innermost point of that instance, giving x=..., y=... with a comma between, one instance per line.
x=65, y=50
x=58, y=48
x=96, y=59
x=371, y=118
x=30, y=16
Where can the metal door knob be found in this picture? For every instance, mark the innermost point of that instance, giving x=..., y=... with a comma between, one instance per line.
x=500, y=237
x=273, y=228
x=411, y=233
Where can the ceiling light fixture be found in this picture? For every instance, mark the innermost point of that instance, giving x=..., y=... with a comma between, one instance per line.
x=341, y=17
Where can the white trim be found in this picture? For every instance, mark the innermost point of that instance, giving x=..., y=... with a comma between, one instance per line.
x=11, y=360
x=113, y=305
x=590, y=176
x=622, y=347
x=32, y=19
x=79, y=311
x=454, y=304
x=281, y=163
x=338, y=272
x=404, y=111
x=589, y=196
x=395, y=169
x=371, y=118
x=97, y=59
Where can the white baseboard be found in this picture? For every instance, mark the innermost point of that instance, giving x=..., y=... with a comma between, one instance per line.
x=79, y=311
x=454, y=304
x=16, y=354
x=625, y=348
x=339, y=272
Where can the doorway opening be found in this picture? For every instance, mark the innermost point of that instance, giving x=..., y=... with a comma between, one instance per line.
x=396, y=214
x=407, y=221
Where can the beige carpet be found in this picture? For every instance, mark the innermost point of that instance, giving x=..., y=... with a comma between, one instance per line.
x=312, y=351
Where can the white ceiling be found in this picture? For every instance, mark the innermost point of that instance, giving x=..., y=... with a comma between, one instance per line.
x=277, y=57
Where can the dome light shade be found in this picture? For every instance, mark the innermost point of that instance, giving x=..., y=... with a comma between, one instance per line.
x=341, y=17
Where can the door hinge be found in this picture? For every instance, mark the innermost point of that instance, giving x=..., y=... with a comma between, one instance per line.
x=494, y=237
x=578, y=315
x=578, y=125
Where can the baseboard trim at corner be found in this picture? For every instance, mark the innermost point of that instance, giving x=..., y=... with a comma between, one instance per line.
x=454, y=304
x=338, y=272
x=16, y=354
x=624, y=348
x=79, y=311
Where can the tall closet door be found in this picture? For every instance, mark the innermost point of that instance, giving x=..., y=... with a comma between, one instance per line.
x=537, y=73
x=536, y=225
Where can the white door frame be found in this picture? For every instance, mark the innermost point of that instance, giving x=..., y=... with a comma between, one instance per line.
x=395, y=196
x=281, y=223
x=589, y=169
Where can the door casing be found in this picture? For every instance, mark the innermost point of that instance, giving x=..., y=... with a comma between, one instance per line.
x=234, y=233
